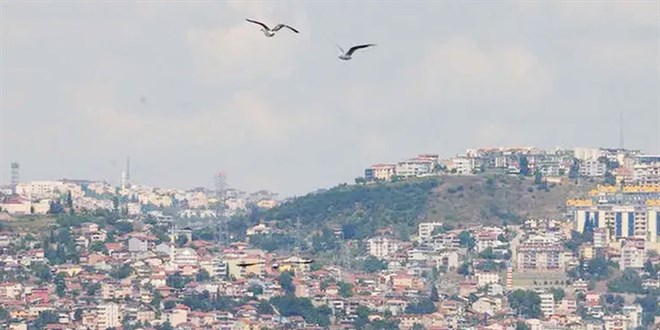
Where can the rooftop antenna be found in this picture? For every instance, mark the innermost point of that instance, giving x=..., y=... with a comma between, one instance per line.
x=128, y=170
x=621, y=145
x=14, y=174
x=221, y=233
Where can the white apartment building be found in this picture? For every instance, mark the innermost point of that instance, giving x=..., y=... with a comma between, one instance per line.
x=592, y=168
x=40, y=189
x=461, y=165
x=382, y=247
x=634, y=315
x=547, y=304
x=107, y=316
x=425, y=229
x=618, y=222
x=413, y=167
x=484, y=278
x=633, y=254
x=646, y=173
x=185, y=256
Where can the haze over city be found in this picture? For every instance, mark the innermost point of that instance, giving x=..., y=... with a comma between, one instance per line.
x=189, y=88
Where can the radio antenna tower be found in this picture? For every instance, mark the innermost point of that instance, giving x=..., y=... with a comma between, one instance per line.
x=14, y=174
x=221, y=232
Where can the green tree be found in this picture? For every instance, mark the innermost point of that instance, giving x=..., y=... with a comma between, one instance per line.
x=609, y=179
x=418, y=326
x=422, y=306
x=181, y=240
x=264, y=308
x=629, y=282
x=121, y=272
x=524, y=166
x=42, y=271
x=521, y=325
x=202, y=275
x=98, y=246
x=526, y=303
x=372, y=264
x=286, y=282
x=4, y=314
x=466, y=240
x=256, y=289
x=538, y=177
x=60, y=285
x=345, y=289
x=93, y=288
x=169, y=304
x=434, y=294
x=558, y=294
x=177, y=280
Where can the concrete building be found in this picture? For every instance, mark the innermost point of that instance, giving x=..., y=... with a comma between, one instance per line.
x=107, y=316
x=547, y=304
x=618, y=222
x=540, y=256
x=413, y=167
x=646, y=173
x=633, y=254
x=484, y=278
x=185, y=256
x=137, y=245
x=425, y=229
x=461, y=165
x=380, y=172
x=381, y=247
x=592, y=168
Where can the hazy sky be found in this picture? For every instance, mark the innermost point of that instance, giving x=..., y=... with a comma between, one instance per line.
x=188, y=88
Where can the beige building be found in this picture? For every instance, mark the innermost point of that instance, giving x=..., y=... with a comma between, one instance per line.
x=381, y=172
x=107, y=316
x=539, y=256
x=382, y=247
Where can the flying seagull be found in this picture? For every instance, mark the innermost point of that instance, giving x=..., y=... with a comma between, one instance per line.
x=271, y=32
x=348, y=55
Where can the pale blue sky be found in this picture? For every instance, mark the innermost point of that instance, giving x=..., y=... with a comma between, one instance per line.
x=285, y=114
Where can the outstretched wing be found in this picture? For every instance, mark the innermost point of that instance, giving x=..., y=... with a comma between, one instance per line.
x=257, y=22
x=280, y=26
x=341, y=50
x=354, y=48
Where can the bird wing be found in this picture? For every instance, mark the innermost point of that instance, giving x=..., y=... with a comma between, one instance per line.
x=280, y=26
x=354, y=48
x=340, y=49
x=257, y=22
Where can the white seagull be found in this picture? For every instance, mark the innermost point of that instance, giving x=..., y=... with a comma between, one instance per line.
x=271, y=32
x=348, y=55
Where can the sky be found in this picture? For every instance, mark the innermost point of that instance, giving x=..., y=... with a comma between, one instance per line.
x=188, y=88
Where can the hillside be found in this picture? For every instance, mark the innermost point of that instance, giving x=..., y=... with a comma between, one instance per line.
x=458, y=200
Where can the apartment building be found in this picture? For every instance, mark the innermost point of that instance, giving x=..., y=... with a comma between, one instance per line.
x=633, y=254
x=617, y=222
x=107, y=316
x=547, y=304
x=382, y=247
x=592, y=168
x=646, y=173
x=413, y=167
x=381, y=172
x=425, y=229
x=540, y=255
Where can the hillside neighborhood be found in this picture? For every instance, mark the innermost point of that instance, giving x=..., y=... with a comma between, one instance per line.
x=80, y=254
